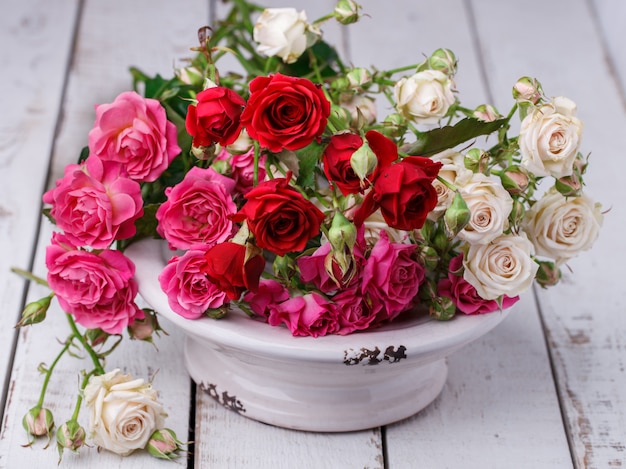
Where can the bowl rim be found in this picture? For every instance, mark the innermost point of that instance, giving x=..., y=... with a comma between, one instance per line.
x=419, y=334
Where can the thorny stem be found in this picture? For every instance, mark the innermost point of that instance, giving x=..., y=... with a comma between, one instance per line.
x=49, y=371
x=92, y=354
x=79, y=399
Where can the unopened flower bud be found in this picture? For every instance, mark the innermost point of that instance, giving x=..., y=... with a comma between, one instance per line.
x=144, y=329
x=394, y=125
x=242, y=144
x=217, y=313
x=442, y=308
x=38, y=421
x=164, y=444
x=70, y=436
x=35, y=312
x=347, y=11
x=518, y=210
x=96, y=337
x=203, y=153
x=443, y=60
x=429, y=257
x=527, y=90
x=342, y=232
x=475, y=160
x=221, y=167
x=358, y=78
x=428, y=290
x=284, y=267
x=569, y=186
x=362, y=111
x=515, y=180
x=340, y=266
x=457, y=215
x=548, y=274
x=363, y=161
x=486, y=113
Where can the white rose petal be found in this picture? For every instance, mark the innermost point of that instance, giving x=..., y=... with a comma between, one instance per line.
x=490, y=205
x=424, y=97
x=284, y=32
x=502, y=267
x=123, y=412
x=560, y=227
x=549, y=138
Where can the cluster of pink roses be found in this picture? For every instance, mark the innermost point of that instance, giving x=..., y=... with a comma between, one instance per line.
x=97, y=202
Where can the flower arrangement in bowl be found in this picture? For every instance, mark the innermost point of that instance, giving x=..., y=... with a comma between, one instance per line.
x=288, y=207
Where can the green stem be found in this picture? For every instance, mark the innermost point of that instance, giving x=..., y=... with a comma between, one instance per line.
x=400, y=69
x=447, y=183
x=29, y=276
x=49, y=371
x=92, y=354
x=257, y=152
x=324, y=18
x=79, y=400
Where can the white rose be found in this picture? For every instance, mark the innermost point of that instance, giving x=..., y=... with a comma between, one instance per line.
x=123, y=412
x=375, y=223
x=454, y=172
x=560, y=227
x=502, y=267
x=549, y=138
x=284, y=32
x=489, y=204
x=424, y=97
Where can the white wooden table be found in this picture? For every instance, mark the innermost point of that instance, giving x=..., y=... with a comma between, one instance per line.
x=545, y=389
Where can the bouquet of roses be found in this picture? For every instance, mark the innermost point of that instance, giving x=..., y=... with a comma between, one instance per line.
x=282, y=193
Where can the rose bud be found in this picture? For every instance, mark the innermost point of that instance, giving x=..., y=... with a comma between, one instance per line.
x=284, y=267
x=569, y=186
x=190, y=76
x=342, y=232
x=548, y=274
x=96, y=336
x=486, y=113
x=394, y=125
x=35, y=312
x=38, y=421
x=475, y=160
x=346, y=11
x=442, y=308
x=143, y=329
x=515, y=180
x=164, y=444
x=363, y=161
x=518, y=210
x=428, y=290
x=429, y=257
x=443, y=60
x=70, y=436
x=527, y=90
x=457, y=215
x=359, y=78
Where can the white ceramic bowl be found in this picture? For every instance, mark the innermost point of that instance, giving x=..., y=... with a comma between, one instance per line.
x=331, y=383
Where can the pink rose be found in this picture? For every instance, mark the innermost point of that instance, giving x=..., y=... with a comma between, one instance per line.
x=356, y=312
x=197, y=210
x=189, y=291
x=464, y=295
x=242, y=169
x=134, y=131
x=97, y=289
x=269, y=293
x=392, y=276
x=95, y=203
x=308, y=315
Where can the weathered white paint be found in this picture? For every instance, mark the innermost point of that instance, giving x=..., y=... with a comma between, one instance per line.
x=499, y=407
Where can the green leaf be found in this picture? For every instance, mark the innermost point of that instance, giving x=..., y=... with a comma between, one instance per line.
x=308, y=157
x=147, y=224
x=436, y=140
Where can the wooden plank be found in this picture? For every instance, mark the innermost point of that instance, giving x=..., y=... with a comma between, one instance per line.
x=499, y=386
x=114, y=35
x=35, y=38
x=584, y=314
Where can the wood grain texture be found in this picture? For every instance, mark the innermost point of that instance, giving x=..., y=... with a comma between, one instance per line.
x=584, y=318
x=36, y=38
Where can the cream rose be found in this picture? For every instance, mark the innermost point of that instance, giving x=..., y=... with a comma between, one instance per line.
x=123, y=412
x=502, y=267
x=284, y=32
x=490, y=205
x=454, y=172
x=560, y=227
x=549, y=138
x=375, y=223
x=424, y=97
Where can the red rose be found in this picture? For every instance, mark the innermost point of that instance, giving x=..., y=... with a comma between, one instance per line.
x=338, y=154
x=280, y=218
x=216, y=117
x=285, y=112
x=232, y=269
x=403, y=192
